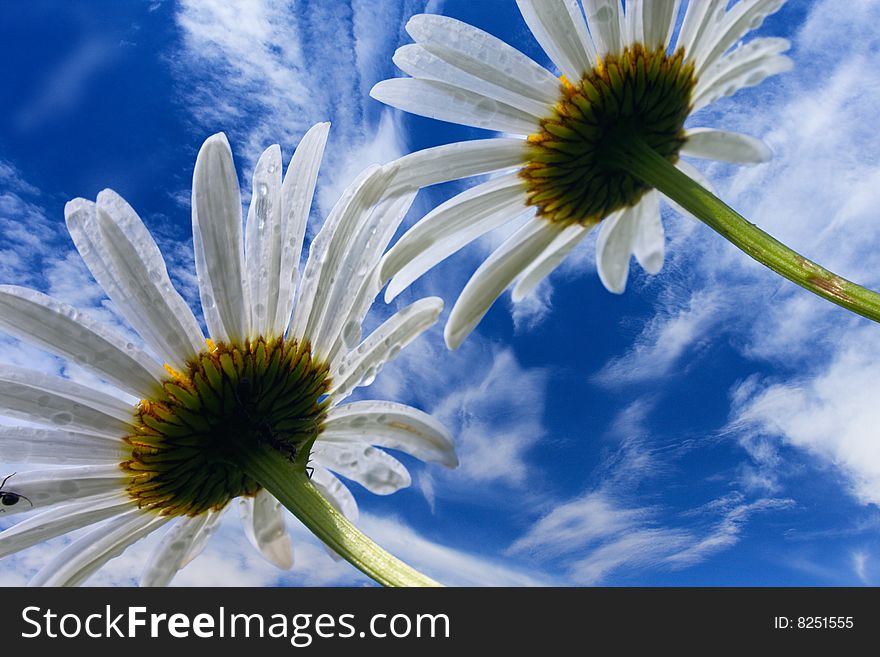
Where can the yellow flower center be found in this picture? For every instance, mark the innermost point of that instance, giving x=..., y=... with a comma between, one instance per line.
x=188, y=439
x=640, y=95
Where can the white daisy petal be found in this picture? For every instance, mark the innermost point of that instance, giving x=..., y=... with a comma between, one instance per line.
x=459, y=160
x=391, y=425
x=743, y=17
x=700, y=18
x=605, y=19
x=614, y=248
x=336, y=492
x=217, y=241
x=650, y=243
x=60, y=403
x=126, y=262
x=79, y=560
x=559, y=27
x=420, y=63
x=262, y=243
x=451, y=226
x=725, y=146
x=634, y=22
x=357, y=301
x=482, y=55
x=363, y=250
x=746, y=66
x=446, y=102
x=52, y=447
x=263, y=520
x=362, y=364
x=549, y=260
x=658, y=21
x=331, y=252
x=378, y=472
x=62, y=519
x=297, y=191
x=62, y=330
x=213, y=521
x=60, y=485
x=167, y=559
x=494, y=275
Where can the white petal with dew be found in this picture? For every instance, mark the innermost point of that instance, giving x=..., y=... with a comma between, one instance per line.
x=263, y=241
x=445, y=102
x=61, y=485
x=423, y=64
x=700, y=18
x=649, y=246
x=127, y=264
x=460, y=160
x=614, y=248
x=329, y=253
x=495, y=274
x=746, y=66
x=549, y=260
x=559, y=26
x=59, y=403
x=725, y=146
x=483, y=55
x=217, y=241
x=358, y=298
x=391, y=425
x=362, y=254
x=140, y=267
x=262, y=518
x=605, y=20
x=743, y=17
x=61, y=520
x=297, y=192
x=658, y=21
x=211, y=524
x=167, y=558
x=82, y=558
x=62, y=330
x=372, y=468
x=56, y=447
x=360, y=366
x=450, y=227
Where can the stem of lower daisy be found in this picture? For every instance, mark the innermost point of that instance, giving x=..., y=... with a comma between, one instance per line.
x=292, y=488
x=643, y=162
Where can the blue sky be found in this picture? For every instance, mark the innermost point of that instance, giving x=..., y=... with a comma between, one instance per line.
x=714, y=425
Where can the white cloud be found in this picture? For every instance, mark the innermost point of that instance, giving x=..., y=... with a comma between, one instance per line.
x=831, y=414
x=663, y=341
x=265, y=72
x=596, y=536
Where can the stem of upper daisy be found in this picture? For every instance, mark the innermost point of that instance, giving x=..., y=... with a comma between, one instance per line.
x=643, y=162
x=291, y=486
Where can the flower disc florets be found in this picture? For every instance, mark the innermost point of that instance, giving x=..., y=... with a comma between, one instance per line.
x=641, y=94
x=231, y=398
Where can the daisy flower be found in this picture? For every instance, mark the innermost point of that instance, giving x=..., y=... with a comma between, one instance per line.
x=253, y=413
x=621, y=95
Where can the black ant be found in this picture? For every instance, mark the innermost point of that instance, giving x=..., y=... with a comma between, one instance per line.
x=267, y=433
x=8, y=498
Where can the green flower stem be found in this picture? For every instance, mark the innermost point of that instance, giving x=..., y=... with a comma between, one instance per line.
x=641, y=161
x=290, y=485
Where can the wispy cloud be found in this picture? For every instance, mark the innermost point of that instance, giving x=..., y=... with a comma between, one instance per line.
x=595, y=536
x=265, y=72
x=666, y=338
